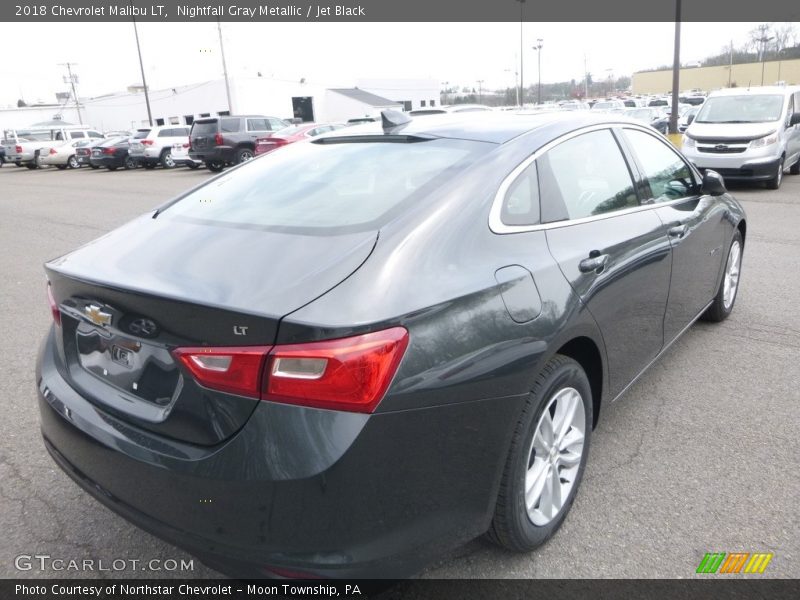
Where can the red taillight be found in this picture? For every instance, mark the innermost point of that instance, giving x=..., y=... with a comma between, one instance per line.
x=108, y=150
x=236, y=370
x=54, y=310
x=349, y=374
x=18, y=149
x=218, y=139
x=147, y=142
x=189, y=145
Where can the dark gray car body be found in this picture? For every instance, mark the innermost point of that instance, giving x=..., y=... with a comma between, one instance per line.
x=329, y=493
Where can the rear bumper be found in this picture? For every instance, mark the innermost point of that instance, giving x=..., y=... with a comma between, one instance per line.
x=310, y=491
x=215, y=154
x=107, y=161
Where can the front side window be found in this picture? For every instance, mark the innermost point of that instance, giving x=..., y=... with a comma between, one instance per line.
x=583, y=177
x=669, y=176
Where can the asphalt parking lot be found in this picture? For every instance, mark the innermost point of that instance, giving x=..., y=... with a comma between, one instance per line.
x=701, y=455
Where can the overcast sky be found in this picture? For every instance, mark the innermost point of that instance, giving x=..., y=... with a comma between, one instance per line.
x=336, y=54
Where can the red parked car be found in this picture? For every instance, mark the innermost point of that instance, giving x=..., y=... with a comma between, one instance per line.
x=291, y=134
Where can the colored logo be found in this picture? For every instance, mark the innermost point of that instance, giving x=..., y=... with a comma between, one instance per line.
x=734, y=562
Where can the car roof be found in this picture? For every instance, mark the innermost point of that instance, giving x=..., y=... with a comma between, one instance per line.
x=488, y=126
x=753, y=91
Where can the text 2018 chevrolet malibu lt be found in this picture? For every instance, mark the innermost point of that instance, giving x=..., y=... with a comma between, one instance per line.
x=347, y=357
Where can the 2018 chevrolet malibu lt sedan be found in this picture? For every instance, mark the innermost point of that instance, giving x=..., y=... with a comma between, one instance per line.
x=347, y=357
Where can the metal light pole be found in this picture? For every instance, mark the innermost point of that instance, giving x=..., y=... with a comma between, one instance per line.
x=763, y=39
x=224, y=68
x=72, y=80
x=521, y=52
x=480, y=91
x=516, y=78
x=141, y=66
x=585, y=79
x=538, y=48
x=676, y=70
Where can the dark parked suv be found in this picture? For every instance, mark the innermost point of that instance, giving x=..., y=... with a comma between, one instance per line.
x=220, y=141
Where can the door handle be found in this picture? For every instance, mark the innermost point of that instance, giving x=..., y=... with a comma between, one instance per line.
x=678, y=231
x=596, y=262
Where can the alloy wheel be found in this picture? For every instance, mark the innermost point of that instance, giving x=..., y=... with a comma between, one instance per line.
x=731, y=281
x=555, y=456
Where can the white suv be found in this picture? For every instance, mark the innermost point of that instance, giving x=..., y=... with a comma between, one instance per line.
x=156, y=147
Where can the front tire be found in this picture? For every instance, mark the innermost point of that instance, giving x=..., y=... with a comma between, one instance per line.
x=215, y=166
x=72, y=162
x=775, y=182
x=547, y=457
x=722, y=305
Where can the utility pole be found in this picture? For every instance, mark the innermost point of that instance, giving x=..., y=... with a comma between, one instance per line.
x=521, y=52
x=480, y=91
x=224, y=68
x=730, y=67
x=676, y=70
x=141, y=67
x=73, y=79
x=585, y=79
x=763, y=39
x=538, y=48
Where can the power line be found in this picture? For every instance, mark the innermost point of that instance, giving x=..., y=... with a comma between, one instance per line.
x=73, y=79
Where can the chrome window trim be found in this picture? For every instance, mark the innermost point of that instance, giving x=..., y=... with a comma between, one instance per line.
x=496, y=224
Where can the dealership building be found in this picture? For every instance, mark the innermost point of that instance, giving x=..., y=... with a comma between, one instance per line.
x=181, y=105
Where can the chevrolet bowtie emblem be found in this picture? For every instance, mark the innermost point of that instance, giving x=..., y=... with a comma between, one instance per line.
x=97, y=315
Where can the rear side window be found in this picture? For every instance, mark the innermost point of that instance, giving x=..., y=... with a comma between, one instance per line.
x=328, y=188
x=585, y=176
x=229, y=125
x=204, y=128
x=521, y=201
x=669, y=176
x=276, y=124
x=75, y=135
x=257, y=125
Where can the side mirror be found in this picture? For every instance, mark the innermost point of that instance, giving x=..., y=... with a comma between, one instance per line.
x=713, y=183
x=795, y=119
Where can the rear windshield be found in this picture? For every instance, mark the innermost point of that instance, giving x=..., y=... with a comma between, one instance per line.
x=204, y=127
x=141, y=134
x=328, y=189
x=756, y=108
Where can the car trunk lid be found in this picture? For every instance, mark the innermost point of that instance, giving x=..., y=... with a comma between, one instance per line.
x=198, y=286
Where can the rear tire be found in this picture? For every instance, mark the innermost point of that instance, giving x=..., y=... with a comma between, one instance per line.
x=243, y=155
x=130, y=163
x=166, y=160
x=722, y=305
x=32, y=165
x=775, y=182
x=148, y=165
x=112, y=168
x=61, y=167
x=539, y=485
x=94, y=167
x=215, y=166
x=72, y=162
x=192, y=165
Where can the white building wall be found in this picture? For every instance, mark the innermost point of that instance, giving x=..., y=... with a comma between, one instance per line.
x=254, y=95
x=399, y=90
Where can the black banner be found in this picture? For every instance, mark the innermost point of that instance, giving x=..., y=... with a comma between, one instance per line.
x=421, y=589
x=397, y=10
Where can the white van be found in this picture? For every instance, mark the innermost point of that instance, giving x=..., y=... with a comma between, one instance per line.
x=749, y=134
